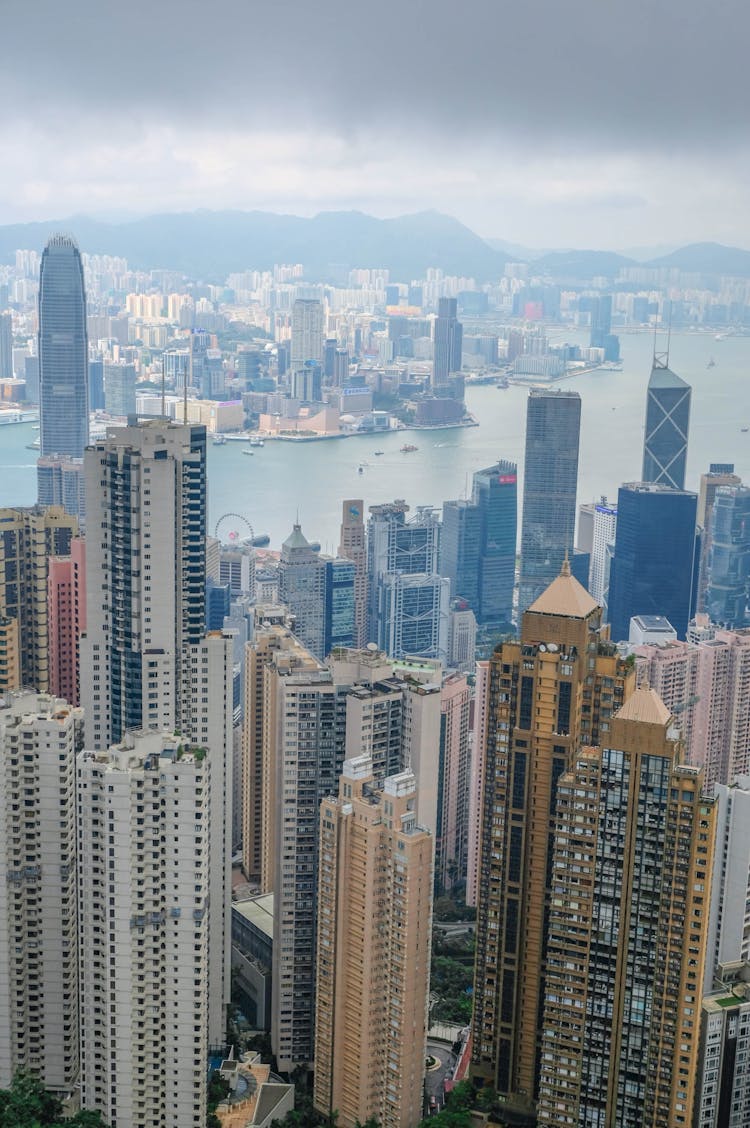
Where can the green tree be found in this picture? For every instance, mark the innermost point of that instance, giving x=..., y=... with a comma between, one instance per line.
x=28, y=1105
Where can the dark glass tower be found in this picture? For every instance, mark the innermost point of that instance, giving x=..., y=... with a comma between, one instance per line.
x=63, y=350
x=667, y=422
x=729, y=558
x=655, y=568
x=495, y=495
x=553, y=425
x=447, y=342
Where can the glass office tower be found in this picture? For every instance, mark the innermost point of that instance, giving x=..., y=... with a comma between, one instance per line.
x=63, y=350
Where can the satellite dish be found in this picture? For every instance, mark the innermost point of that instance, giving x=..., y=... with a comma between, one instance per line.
x=553, y=647
x=372, y=647
x=542, y=647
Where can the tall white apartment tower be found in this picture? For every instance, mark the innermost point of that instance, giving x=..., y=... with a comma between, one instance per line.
x=602, y=550
x=146, y=661
x=38, y=915
x=307, y=332
x=144, y=829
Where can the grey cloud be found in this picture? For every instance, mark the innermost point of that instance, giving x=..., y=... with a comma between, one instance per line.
x=638, y=75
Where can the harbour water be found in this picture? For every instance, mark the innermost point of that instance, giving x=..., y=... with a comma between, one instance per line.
x=284, y=479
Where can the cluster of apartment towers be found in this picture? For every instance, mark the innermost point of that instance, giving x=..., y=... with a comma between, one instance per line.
x=606, y=849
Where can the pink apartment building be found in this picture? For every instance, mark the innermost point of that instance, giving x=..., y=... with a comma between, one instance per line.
x=66, y=601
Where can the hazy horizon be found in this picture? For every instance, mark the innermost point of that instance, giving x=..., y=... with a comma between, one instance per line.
x=583, y=125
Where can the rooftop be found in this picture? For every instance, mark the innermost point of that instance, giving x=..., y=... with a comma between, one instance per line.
x=646, y=706
x=257, y=911
x=565, y=596
x=664, y=377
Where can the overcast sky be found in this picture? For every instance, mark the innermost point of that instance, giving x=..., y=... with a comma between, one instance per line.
x=545, y=122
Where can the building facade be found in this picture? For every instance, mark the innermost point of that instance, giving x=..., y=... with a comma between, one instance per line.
x=66, y=609
x=374, y=939
x=728, y=574
x=353, y=546
x=631, y=861
x=144, y=827
x=39, y=1018
x=553, y=424
x=63, y=350
x=655, y=566
x=667, y=423
x=550, y=692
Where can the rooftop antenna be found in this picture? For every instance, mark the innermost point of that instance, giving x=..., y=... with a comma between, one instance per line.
x=163, y=390
x=185, y=388
x=661, y=359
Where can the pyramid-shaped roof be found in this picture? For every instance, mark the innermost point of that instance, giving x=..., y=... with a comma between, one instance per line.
x=645, y=705
x=565, y=596
x=296, y=539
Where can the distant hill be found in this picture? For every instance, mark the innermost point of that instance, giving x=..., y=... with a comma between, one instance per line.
x=209, y=245
x=579, y=266
x=707, y=258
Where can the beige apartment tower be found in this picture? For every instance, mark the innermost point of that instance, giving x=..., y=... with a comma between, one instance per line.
x=353, y=546
x=629, y=917
x=373, y=962
x=550, y=692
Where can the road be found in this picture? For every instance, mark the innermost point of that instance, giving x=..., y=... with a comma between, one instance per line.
x=434, y=1078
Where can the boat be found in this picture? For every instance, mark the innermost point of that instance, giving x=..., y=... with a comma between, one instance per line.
x=360, y=469
x=379, y=452
x=407, y=448
x=219, y=440
x=250, y=452
x=256, y=441
x=744, y=430
x=711, y=363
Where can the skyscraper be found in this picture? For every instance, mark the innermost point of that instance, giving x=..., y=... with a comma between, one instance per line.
x=66, y=608
x=39, y=919
x=667, y=423
x=63, y=350
x=353, y=546
x=452, y=842
x=61, y=481
x=549, y=693
x=119, y=389
x=602, y=551
x=460, y=546
x=373, y=943
x=553, y=424
x=307, y=333
x=447, y=343
x=144, y=824
x=320, y=593
x=728, y=586
x=627, y=929
x=719, y=474
x=655, y=567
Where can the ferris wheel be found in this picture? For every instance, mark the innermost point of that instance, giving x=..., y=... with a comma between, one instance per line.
x=227, y=531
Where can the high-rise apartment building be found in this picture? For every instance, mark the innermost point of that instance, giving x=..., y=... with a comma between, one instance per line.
x=723, y=1079
x=706, y=686
x=146, y=662
x=719, y=474
x=144, y=828
x=66, y=611
x=373, y=943
x=302, y=720
x=549, y=693
x=452, y=842
x=655, y=566
x=28, y=539
x=353, y=546
x=728, y=941
x=602, y=551
x=63, y=350
x=480, y=706
x=39, y=736
x=307, y=332
x=553, y=424
x=728, y=578
x=631, y=863
x=667, y=423
x=447, y=341
x=61, y=481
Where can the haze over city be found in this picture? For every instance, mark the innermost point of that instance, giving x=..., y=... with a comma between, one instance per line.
x=586, y=124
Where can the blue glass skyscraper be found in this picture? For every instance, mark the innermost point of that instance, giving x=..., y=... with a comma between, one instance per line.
x=667, y=422
x=729, y=557
x=655, y=567
x=63, y=350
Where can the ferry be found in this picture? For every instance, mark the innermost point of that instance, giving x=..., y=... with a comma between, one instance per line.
x=379, y=452
x=250, y=452
x=256, y=441
x=407, y=448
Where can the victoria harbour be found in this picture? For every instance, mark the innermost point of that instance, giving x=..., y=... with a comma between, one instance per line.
x=284, y=480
